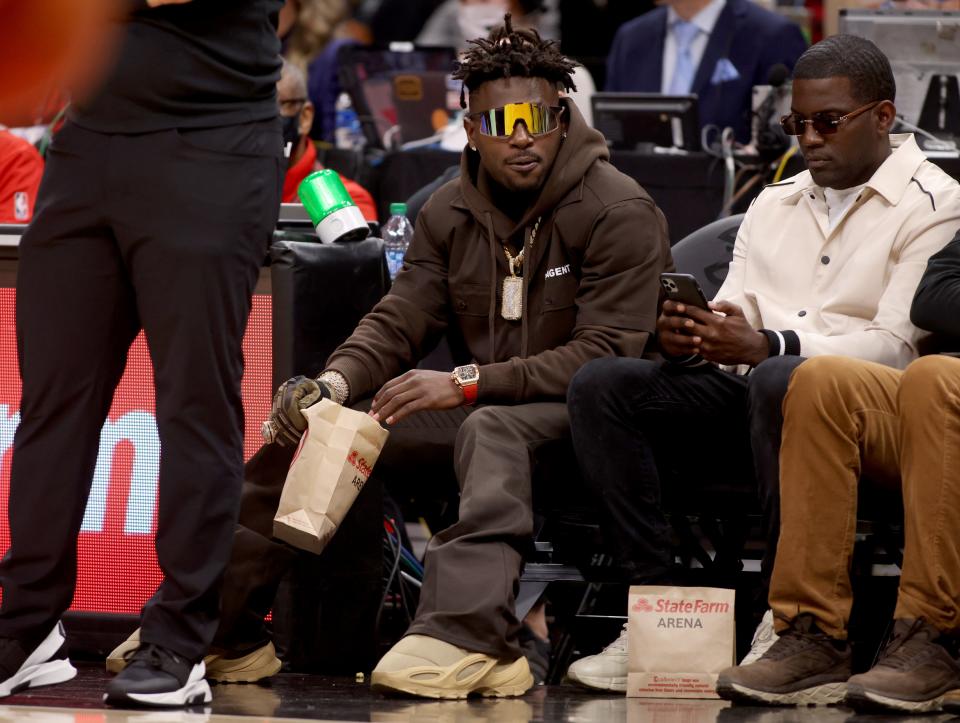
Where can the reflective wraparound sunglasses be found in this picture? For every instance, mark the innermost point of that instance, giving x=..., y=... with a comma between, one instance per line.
x=499, y=122
x=824, y=124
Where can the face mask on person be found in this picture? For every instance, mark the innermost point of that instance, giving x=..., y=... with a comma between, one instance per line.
x=476, y=20
x=291, y=133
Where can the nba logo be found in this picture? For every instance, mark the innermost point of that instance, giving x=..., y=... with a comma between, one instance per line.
x=21, y=208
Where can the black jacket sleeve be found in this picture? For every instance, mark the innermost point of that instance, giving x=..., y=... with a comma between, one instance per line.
x=936, y=305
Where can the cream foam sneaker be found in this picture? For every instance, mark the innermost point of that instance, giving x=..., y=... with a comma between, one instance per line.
x=763, y=638
x=607, y=670
x=221, y=666
x=431, y=668
x=117, y=659
x=228, y=667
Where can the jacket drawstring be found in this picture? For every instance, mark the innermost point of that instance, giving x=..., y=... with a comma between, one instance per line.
x=527, y=264
x=492, y=310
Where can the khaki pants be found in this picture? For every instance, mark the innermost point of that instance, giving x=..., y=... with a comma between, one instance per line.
x=844, y=417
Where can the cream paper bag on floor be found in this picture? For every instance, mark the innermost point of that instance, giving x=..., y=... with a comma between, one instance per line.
x=678, y=639
x=335, y=457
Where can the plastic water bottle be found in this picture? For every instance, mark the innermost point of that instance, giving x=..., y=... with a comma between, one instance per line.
x=347, y=134
x=397, y=233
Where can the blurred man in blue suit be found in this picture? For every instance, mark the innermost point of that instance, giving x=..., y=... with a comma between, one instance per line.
x=718, y=49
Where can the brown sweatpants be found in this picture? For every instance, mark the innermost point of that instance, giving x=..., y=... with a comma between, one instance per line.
x=844, y=417
x=472, y=569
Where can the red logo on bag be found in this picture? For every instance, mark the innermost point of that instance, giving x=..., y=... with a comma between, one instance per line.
x=303, y=441
x=682, y=606
x=361, y=465
x=643, y=606
x=666, y=605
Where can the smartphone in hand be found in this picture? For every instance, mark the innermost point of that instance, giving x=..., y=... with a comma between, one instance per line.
x=684, y=289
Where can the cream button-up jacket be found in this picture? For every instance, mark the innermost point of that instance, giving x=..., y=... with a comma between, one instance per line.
x=846, y=291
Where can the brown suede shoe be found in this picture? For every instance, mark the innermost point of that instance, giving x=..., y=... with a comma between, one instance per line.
x=803, y=667
x=914, y=672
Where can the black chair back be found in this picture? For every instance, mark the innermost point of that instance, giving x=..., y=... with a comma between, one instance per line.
x=706, y=253
x=320, y=293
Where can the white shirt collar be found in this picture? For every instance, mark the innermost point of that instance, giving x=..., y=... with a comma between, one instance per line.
x=706, y=19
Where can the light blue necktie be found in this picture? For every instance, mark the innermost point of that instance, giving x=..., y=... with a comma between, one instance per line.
x=684, y=33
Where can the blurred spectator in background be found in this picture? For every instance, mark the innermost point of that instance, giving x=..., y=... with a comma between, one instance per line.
x=296, y=111
x=718, y=49
x=288, y=17
x=309, y=26
x=456, y=21
x=312, y=32
x=395, y=20
x=323, y=88
x=20, y=170
x=603, y=18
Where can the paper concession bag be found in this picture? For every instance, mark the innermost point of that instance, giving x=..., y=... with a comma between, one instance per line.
x=679, y=639
x=335, y=457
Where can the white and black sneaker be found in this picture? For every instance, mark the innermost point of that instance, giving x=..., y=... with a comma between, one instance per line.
x=46, y=664
x=763, y=639
x=158, y=677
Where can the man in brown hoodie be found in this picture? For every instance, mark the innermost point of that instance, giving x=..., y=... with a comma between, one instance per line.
x=540, y=257
x=536, y=198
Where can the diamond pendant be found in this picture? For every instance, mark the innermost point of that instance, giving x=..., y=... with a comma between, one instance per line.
x=511, y=307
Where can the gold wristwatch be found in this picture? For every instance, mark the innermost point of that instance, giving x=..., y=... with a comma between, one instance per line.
x=467, y=378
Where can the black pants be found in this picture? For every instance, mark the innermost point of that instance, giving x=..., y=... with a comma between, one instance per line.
x=162, y=231
x=643, y=429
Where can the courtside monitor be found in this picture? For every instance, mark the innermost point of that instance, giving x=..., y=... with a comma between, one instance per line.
x=640, y=121
x=400, y=95
x=924, y=51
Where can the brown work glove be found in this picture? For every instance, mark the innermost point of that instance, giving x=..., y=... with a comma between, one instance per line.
x=287, y=423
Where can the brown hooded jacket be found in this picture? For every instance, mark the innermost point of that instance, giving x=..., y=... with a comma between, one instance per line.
x=590, y=279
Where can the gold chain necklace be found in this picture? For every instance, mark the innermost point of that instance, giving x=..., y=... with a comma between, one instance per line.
x=511, y=305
